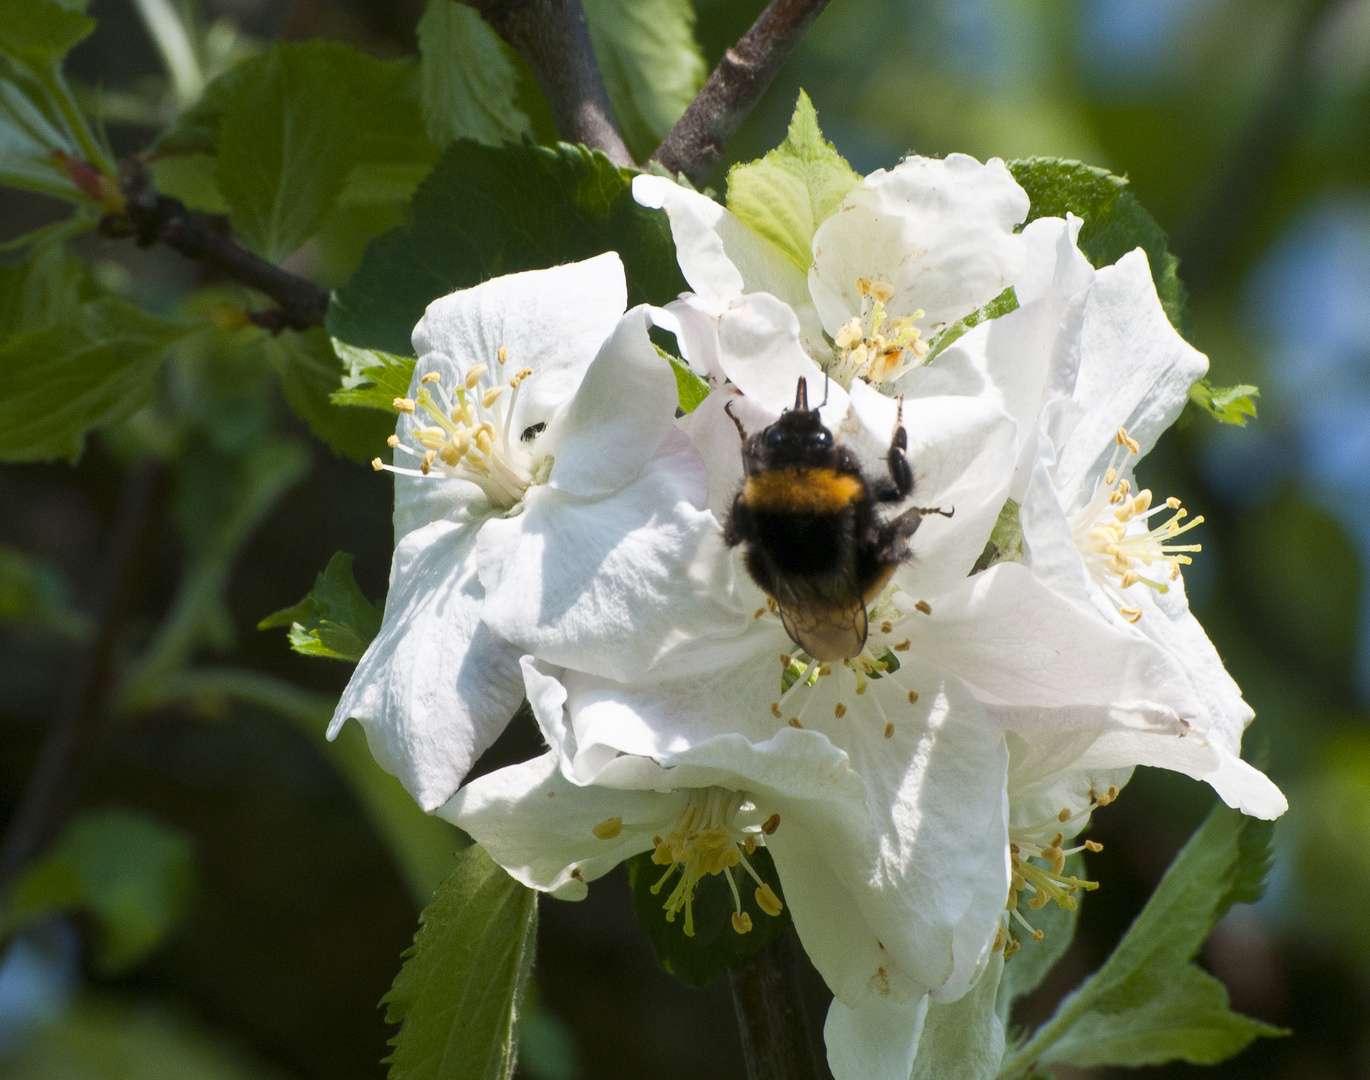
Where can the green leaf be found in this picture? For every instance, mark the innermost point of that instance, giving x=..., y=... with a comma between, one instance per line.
x=1114, y=221
x=1148, y=981
x=27, y=139
x=1226, y=404
x=716, y=946
x=38, y=33
x=470, y=78
x=1188, y=1020
x=652, y=65
x=486, y=211
x=964, y=1040
x=691, y=390
x=101, y=1040
x=1005, y=543
x=1026, y=968
x=457, y=995
x=34, y=592
x=132, y=873
x=1002, y=304
x=335, y=620
x=792, y=190
x=45, y=290
x=196, y=130
x=96, y=367
x=291, y=134
x=373, y=379
x=311, y=376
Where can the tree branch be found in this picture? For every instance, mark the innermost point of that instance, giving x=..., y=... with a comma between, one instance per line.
x=151, y=216
x=695, y=145
x=770, y=1014
x=48, y=795
x=554, y=38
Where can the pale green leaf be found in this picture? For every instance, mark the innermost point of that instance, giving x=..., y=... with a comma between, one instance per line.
x=793, y=189
x=1002, y=304
x=691, y=390
x=335, y=620
x=132, y=873
x=470, y=77
x=1226, y=404
x=27, y=139
x=38, y=33
x=43, y=291
x=1224, y=863
x=96, y=367
x=372, y=379
x=652, y=64
x=964, y=1039
x=1189, y=1020
x=290, y=136
x=311, y=374
x=458, y=993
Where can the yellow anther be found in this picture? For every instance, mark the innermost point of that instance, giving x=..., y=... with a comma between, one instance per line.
x=404, y=404
x=1000, y=936
x=378, y=464
x=889, y=729
x=913, y=697
x=1173, y=503
x=742, y=922
x=432, y=376
x=903, y=646
x=924, y=607
x=428, y=458
x=492, y=395
x=886, y=626
x=767, y=901
x=520, y=375
x=758, y=613
x=749, y=844
x=1111, y=477
x=785, y=659
x=1037, y=935
x=839, y=710
x=1065, y=815
x=775, y=710
x=608, y=828
x=1011, y=948
x=393, y=441
x=794, y=722
x=771, y=824
x=502, y=354
x=474, y=376
x=1094, y=845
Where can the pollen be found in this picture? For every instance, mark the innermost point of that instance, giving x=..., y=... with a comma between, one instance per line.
x=872, y=346
x=839, y=710
x=1121, y=548
x=924, y=607
x=794, y=722
x=707, y=842
x=378, y=464
x=404, y=404
x=886, y=627
x=431, y=377
x=903, y=646
x=775, y=710
x=608, y=828
x=913, y=697
x=889, y=729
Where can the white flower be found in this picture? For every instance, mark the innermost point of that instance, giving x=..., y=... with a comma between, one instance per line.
x=560, y=821
x=540, y=422
x=910, y=250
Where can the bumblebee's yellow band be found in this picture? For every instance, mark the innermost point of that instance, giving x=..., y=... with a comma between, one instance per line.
x=802, y=491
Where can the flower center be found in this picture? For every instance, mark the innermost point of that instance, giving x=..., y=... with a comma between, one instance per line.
x=1045, y=880
x=1120, y=548
x=872, y=346
x=469, y=437
x=707, y=842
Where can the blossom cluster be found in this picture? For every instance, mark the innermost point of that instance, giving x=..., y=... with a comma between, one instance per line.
x=562, y=535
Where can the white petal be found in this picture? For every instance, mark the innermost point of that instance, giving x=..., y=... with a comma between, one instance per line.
x=603, y=585
x=435, y=687
x=1135, y=372
x=1014, y=641
x=552, y=321
x=940, y=232
x=1054, y=263
x=711, y=427
x=962, y=453
x=620, y=413
x=721, y=257
x=876, y=1040
x=539, y=826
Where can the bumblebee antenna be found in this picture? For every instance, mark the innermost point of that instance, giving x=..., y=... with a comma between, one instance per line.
x=801, y=395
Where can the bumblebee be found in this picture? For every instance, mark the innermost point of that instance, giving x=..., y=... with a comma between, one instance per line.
x=815, y=540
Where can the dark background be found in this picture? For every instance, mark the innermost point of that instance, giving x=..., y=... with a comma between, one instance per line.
x=1243, y=127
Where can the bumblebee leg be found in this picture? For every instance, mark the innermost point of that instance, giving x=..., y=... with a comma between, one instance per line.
x=741, y=431
x=900, y=482
x=895, y=534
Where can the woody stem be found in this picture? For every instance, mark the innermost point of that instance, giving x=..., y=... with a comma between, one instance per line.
x=770, y=1014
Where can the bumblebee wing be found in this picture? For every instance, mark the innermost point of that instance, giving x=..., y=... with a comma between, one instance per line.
x=827, y=624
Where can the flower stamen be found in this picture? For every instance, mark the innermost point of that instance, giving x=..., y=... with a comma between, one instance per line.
x=872, y=346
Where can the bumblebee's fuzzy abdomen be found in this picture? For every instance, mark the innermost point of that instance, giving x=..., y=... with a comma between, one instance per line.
x=802, y=491
x=804, y=544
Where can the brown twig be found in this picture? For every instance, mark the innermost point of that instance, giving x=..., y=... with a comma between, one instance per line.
x=47, y=797
x=695, y=145
x=152, y=217
x=770, y=1014
x=554, y=38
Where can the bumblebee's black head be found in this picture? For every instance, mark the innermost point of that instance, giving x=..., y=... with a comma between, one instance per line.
x=798, y=438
